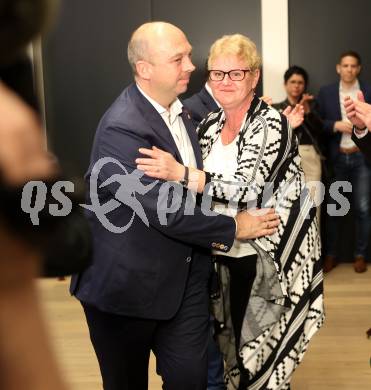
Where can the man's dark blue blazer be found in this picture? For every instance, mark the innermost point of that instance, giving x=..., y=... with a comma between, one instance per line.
x=330, y=111
x=200, y=104
x=143, y=271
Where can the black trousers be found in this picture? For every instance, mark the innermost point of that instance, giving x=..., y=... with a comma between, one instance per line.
x=123, y=344
x=242, y=273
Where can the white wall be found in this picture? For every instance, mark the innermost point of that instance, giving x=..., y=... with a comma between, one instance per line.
x=275, y=47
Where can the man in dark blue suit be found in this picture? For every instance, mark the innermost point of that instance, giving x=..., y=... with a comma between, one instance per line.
x=147, y=286
x=200, y=104
x=347, y=161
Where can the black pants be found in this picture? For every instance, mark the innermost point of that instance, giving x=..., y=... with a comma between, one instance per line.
x=242, y=273
x=123, y=344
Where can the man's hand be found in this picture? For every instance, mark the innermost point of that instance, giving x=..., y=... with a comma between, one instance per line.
x=160, y=164
x=343, y=127
x=256, y=223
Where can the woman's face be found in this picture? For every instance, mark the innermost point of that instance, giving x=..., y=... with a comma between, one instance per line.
x=295, y=86
x=229, y=93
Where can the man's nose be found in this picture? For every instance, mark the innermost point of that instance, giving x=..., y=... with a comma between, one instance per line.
x=188, y=65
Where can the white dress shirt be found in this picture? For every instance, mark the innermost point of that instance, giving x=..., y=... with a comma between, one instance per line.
x=223, y=159
x=172, y=118
x=346, y=139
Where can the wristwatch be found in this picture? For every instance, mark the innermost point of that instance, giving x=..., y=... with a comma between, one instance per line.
x=185, y=179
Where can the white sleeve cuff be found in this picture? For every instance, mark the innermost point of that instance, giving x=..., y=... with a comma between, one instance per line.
x=360, y=134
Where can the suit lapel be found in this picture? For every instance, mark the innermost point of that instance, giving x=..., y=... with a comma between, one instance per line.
x=208, y=100
x=337, y=100
x=156, y=122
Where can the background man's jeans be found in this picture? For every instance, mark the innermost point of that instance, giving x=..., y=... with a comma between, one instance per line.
x=354, y=169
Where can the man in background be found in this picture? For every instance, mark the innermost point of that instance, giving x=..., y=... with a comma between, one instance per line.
x=201, y=103
x=345, y=158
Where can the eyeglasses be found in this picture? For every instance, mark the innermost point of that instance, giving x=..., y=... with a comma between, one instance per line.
x=234, y=74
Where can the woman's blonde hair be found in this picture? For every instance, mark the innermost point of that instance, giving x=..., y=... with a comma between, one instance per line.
x=238, y=45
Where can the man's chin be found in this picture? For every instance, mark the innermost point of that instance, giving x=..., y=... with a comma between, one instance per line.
x=182, y=88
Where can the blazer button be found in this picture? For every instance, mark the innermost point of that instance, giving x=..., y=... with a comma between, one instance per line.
x=188, y=259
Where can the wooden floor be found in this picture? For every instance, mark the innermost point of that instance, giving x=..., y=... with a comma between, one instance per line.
x=338, y=357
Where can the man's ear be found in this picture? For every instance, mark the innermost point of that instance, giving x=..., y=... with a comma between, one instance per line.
x=144, y=69
x=338, y=68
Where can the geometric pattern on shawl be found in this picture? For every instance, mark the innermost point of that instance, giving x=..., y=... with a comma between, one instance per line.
x=286, y=304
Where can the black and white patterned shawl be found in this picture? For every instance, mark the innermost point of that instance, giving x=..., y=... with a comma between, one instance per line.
x=286, y=305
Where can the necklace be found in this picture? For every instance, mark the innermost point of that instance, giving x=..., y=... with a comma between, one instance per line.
x=229, y=134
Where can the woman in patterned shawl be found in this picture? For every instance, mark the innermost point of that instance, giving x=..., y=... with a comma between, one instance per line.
x=270, y=300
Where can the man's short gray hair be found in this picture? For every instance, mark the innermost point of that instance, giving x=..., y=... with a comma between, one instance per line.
x=137, y=50
x=140, y=41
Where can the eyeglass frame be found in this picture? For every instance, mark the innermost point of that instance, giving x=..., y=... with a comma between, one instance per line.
x=228, y=73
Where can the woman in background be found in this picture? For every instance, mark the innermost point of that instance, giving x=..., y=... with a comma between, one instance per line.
x=309, y=133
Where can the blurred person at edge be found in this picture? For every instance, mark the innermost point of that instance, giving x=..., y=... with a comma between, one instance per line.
x=246, y=144
x=65, y=241
x=26, y=359
x=359, y=114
